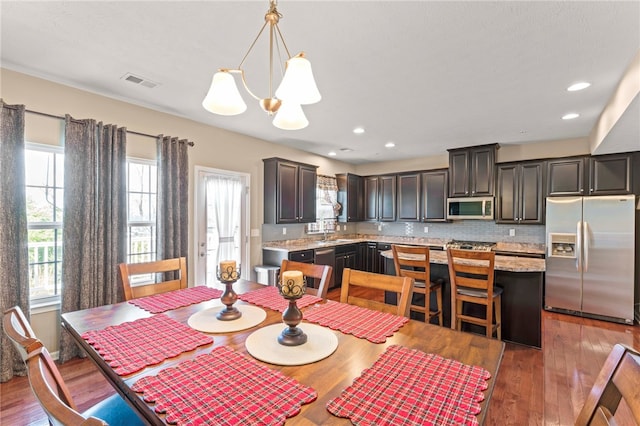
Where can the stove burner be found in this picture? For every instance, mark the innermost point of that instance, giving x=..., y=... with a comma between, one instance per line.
x=471, y=245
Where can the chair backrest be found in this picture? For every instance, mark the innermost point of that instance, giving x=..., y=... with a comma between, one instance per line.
x=405, y=257
x=323, y=273
x=17, y=328
x=353, y=279
x=471, y=269
x=157, y=267
x=52, y=393
x=619, y=379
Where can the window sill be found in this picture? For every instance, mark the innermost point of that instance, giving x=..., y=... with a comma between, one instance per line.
x=42, y=307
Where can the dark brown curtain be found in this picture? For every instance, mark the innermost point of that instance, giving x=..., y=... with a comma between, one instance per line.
x=14, y=263
x=94, y=227
x=173, y=196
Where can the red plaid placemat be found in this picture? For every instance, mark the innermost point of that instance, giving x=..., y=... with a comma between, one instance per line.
x=176, y=299
x=364, y=323
x=409, y=387
x=224, y=388
x=269, y=297
x=131, y=346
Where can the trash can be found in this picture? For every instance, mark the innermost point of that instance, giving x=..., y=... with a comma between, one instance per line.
x=267, y=274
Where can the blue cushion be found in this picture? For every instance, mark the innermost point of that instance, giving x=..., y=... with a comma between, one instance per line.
x=115, y=411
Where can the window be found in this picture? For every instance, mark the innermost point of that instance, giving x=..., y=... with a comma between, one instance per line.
x=141, y=210
x=326, y=204
x=44, y=169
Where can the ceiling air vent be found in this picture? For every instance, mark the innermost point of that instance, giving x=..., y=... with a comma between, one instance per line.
x=136, y=79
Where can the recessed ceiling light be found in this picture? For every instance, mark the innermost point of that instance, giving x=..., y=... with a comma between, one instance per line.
x=389, y=144
x=578, y=86
x=570, y=116
x=332, y=154
x=346, y=149
x=358, y=130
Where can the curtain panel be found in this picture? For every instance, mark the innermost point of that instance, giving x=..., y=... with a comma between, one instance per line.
x=172, y=219
x=94, y=227
x=14, y=263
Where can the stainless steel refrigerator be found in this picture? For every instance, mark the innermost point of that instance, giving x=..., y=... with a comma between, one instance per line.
x=590, y=261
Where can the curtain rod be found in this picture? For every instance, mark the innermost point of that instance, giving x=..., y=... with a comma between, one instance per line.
x=44, y=114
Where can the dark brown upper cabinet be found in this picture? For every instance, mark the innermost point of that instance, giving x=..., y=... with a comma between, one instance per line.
x=350, y=197
x=520, y=193
x=434, y=195
x=409, y=197
x=289, y=191
x=610, y=174
x=380, y=198
x=472, y=171
x=566, y=176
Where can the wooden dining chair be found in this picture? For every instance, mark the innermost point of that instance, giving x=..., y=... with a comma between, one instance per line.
x=127, y=270
x=322, y=273
x=619, y=379
x=50, y=389
x=353, y=281
x=471, y=274
x=413, y=262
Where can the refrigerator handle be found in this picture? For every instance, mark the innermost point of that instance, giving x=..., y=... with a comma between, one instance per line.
x=585, y=235
x=579, y=245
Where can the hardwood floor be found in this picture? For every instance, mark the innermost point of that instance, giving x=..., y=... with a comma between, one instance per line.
x=534, y=387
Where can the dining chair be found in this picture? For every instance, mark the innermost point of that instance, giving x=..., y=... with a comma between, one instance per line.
x=127, y=270
x=354, y=281
x=322, y=273
x=619, y=379
x=413, y=261
x=49, y=387
x=471, y=274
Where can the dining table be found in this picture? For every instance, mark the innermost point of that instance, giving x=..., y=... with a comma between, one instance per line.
x=328, y=377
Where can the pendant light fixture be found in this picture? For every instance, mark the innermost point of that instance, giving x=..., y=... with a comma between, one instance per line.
x=297, y=87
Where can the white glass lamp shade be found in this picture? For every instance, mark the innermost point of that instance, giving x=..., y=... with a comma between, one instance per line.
x=290, y=117
x=223, y=97
x=298, y=84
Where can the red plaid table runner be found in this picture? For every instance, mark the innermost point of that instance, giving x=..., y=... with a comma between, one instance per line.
x=176, y=299
x=409, y=387
x=269, y=297
x=224, y=388
x=364, y=323
x=131, y=346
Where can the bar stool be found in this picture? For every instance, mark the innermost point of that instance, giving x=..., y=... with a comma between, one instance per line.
x=471, y=274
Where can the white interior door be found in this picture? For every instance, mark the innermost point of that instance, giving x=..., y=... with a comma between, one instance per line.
x=221, y=221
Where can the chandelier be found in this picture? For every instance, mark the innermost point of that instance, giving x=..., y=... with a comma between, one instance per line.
x=297, y=87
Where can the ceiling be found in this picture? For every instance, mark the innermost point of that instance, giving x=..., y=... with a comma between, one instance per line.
x=425, y=75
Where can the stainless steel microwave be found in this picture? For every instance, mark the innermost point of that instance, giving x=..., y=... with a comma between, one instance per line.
x=470, y=208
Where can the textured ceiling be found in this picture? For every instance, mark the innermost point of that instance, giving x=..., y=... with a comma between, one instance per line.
x=425, y=75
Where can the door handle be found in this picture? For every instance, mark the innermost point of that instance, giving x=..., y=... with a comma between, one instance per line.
x=585, y=232
x=579, y=246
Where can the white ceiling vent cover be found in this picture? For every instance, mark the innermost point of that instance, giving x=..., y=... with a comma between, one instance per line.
x=141, y=81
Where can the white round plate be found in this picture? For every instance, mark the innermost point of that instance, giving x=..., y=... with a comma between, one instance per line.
x=263, y=344
x=207, y=322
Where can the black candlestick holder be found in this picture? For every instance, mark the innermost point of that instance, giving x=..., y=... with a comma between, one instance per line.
x=292, y=316
x=229, y=276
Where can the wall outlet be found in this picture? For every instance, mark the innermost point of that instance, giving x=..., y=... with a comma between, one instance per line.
x=284, y=231
x=426, y=229
x=512, y=232
x=255, y=232
x=379, y=227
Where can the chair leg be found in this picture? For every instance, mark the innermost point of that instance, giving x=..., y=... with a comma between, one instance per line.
x=458, y=312
x=489, y=320
x=439, y=307
x=498, y=310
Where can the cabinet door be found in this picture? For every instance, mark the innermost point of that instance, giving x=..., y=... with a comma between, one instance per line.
x=355, y=198
x=610, y=174
x=387, y=198
x=459, y=173
x=482, y=171
x=287, y=193
x=507, y=208
x=531, y=193
x=307, y=194
x=340, y=260
x=434, y=196
x=372, y=257
x=371, y=198
x=409, y=197
x=565, y=177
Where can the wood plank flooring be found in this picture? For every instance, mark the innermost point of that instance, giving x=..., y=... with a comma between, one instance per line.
x=534, y=387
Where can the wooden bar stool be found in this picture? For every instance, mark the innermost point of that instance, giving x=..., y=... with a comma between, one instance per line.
x=471, y=274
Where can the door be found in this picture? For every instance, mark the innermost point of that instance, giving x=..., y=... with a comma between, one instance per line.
x=221, y=222
x=608, y=277
x=563, y=275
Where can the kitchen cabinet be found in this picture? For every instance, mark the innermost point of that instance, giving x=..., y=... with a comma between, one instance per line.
x=361, y=257
x=289, y=191
x=520, y=193
x=380, y=198
x=371, y=258
x=408, y=197
x=434, y=195
x=472, y=171
x=350, y=197
x=610, y=174
x=565, y=176
x=346, y=257
x=379, y=261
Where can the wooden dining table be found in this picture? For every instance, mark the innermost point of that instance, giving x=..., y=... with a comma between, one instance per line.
x=329, y=377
